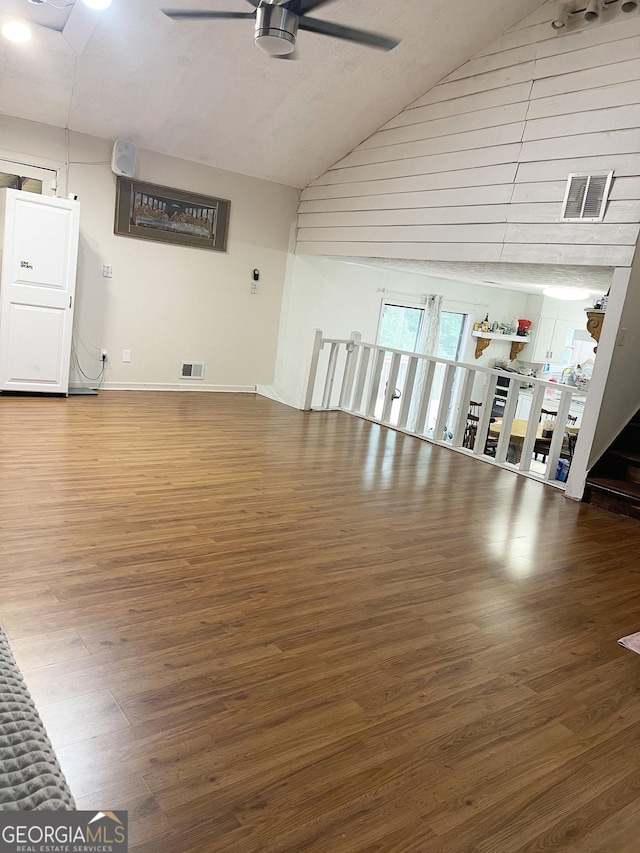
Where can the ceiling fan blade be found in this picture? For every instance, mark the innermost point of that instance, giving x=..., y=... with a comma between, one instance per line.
x=347, y=33
x=192, y=14
x=301, y=7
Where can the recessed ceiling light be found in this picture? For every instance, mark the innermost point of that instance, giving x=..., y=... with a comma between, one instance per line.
x=569, y=294
x=16, y=31
x=97, y=4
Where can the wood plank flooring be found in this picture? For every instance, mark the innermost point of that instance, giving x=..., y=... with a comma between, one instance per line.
x=267, y=631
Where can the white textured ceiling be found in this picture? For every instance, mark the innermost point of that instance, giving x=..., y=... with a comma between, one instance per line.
x=202, y=90
x=532, y=278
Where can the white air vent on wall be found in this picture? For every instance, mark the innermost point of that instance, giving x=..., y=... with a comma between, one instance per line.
x=585, y=199
x=192, y=370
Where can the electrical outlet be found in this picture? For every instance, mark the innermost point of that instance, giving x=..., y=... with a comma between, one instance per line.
x=107, y=271
x=254, y=287
x=103, y=355
x=126, y=355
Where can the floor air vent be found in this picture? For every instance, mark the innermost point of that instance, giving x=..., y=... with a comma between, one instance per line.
x=585, y=198
x=192, y=370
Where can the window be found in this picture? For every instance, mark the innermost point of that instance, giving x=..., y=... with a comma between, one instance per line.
x=400, y=327
x=451, y=335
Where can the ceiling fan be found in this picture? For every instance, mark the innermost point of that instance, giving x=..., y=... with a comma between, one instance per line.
x=278, y=22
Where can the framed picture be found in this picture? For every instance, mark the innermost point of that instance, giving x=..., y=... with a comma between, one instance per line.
x=151, y=212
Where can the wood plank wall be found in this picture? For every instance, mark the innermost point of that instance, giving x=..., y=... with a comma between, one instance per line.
x=476, y=169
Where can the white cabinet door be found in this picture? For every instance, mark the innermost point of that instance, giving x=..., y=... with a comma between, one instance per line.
x=563, y=331
x=37, y=288
x=551, y=339
x=543, y=340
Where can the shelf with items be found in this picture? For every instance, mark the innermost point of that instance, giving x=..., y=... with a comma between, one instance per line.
x=483, y=339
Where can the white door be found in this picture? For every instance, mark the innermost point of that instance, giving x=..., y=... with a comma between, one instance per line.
x=399, y=328
x=37, y=289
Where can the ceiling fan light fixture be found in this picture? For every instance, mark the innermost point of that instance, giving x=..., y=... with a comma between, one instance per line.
x=16, y=31
x=97, y=4
x=276, y=43
x=276, y=29
x=567, y=294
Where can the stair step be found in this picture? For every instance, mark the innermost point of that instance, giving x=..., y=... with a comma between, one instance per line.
x=624, y=488
x=634, y=458
x=619, y=496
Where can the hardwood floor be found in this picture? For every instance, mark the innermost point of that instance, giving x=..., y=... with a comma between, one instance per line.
x=266, y=631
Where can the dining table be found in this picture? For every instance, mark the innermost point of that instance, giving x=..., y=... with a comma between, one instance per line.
x=516, y=439
x=517, y=436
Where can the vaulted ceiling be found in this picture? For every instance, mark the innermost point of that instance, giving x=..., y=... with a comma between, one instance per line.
x=203, y=91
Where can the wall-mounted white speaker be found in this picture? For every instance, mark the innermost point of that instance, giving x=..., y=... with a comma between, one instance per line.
x=123, y=160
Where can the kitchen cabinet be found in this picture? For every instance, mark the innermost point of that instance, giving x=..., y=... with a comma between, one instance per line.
x=550, y=340
x=551, y=402
x=552, y=321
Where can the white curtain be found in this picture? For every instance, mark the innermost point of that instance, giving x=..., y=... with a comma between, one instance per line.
x=427, y=345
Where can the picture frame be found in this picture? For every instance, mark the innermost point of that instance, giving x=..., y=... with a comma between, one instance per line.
x=167, y=215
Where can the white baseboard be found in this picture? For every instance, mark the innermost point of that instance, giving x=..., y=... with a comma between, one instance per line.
x=272, y=394
x=177, y=386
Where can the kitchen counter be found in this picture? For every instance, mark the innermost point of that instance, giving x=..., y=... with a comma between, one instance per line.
x=551, y=400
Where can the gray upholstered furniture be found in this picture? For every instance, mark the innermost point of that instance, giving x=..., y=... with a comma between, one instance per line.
x=30, y=776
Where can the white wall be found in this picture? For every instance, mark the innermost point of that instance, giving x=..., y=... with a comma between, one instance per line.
x=340, y=297
x=476, y=169
x=169, y=303
x=614, y=394
x=621, y=394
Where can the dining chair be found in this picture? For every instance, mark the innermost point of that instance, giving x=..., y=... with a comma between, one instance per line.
x=471, y=430
x=543, y=443
x=570, y=438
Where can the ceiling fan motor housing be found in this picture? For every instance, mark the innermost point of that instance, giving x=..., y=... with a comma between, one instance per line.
x=276, y=29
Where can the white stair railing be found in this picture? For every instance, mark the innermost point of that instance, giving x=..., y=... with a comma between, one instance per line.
x=430, y=397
